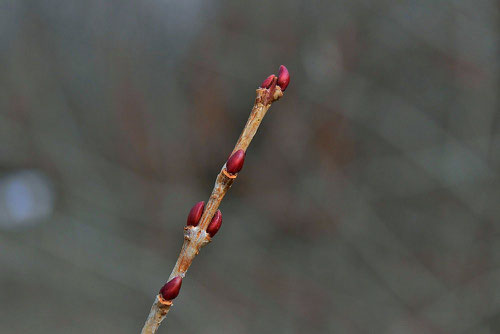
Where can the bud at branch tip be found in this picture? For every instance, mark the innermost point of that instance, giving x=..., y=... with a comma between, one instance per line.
x=267, y=83
x=283, y=77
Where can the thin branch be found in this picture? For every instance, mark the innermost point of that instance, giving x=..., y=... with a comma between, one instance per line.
x=200, y=230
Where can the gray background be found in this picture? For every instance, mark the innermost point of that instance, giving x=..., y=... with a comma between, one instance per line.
x=369, y=202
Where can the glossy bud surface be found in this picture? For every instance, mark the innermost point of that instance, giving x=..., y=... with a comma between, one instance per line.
x=171, y=289
x=215, y=224
x=283, y=78
x=267, y=83
x=235, y=163
x=195, y=214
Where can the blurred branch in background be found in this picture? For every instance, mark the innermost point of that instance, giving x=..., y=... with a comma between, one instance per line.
x=386, y=205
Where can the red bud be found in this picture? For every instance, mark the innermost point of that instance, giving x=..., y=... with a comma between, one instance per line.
x=267, y=83
x=283, y=77
x=195, y=214
x=171, y=289
x=215, y=224
x=235, y=163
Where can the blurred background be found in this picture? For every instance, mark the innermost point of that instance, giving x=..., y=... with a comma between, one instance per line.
x=369, y=201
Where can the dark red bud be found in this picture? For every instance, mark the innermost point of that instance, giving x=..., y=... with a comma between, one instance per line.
x=171, y=289
x=283, y=77
x=195, y=214
x=235, y=163
x=215, y=224
x=267, y=83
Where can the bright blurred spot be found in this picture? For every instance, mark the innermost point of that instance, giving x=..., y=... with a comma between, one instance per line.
x=26, y=198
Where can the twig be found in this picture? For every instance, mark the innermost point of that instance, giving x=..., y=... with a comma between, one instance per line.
x=204, y=222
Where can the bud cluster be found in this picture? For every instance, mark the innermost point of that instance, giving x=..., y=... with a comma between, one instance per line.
x=282, y=80
x=195, y=214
